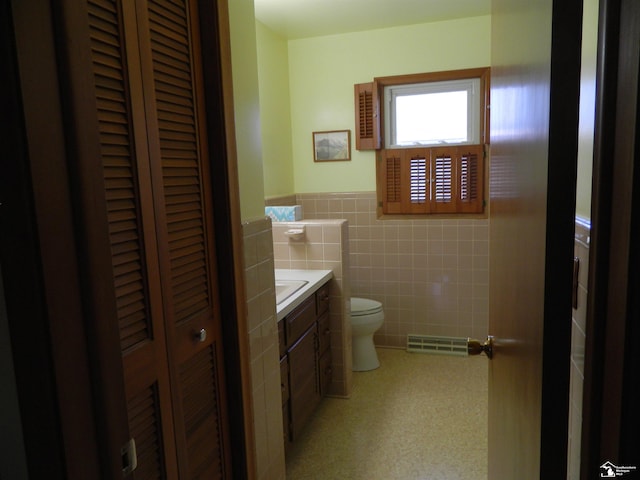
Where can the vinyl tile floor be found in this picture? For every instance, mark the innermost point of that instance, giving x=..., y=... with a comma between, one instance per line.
x=417, y=417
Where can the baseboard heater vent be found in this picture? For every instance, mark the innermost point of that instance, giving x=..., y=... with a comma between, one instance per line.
x=437, y=345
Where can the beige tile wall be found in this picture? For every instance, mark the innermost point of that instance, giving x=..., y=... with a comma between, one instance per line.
x=578, y=327
x=264, y=350
x=280, y=200
x=432, y=275
x=325, y=246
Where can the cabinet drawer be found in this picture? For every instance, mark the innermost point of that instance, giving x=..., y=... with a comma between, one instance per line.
x=300, y=320
x=324, y=334
x=322, y=299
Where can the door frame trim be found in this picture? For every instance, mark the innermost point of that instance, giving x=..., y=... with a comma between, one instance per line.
x=566, y=54
x=612, y=307
x=216, y=68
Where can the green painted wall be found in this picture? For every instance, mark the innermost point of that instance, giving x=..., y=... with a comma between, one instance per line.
x=275, y=111
x=244, y=64
x=323, y=71
x=297, y=87
x=587, y=108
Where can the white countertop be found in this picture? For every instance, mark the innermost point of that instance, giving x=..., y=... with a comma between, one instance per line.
x=314, y=278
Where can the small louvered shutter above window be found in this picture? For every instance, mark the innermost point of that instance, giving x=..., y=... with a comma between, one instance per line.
x=367, y=116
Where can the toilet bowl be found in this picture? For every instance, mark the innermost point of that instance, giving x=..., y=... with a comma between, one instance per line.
x=366, y=318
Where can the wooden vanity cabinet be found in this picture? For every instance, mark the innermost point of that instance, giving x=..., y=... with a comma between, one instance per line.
x=324, y=339
x=299, y=320
x=305, y=364
x=324, y=352
x=282, y=340
x=304, y=395
x=322, y=300
x=284, y=384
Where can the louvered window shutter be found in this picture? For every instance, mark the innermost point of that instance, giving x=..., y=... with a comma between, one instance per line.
x=415, y=181
x=392, y=184
x=470, y=180
x=443, y=182
x=419, y=180
x=367, y=116
x=431, y=180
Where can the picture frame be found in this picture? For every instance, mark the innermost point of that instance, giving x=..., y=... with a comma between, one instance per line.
x=332, y=146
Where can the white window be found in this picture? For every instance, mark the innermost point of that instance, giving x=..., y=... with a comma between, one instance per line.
x=429, y=132
x=433, y=113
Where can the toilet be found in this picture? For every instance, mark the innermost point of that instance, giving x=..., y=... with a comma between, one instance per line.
x=366, y=318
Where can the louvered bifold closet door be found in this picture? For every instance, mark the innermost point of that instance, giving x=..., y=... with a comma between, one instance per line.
x=174, y=105
x=131, y=229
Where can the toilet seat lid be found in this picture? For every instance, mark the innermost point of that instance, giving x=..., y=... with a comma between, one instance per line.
x=364, y=306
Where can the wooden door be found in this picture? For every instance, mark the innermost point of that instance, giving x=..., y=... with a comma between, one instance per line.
x=173, y=96
x=142, y=175
x=534, y=96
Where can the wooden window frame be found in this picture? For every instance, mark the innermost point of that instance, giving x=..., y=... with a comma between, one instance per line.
x=393, y=165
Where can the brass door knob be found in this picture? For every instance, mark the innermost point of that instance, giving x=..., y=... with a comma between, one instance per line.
x=474, y=347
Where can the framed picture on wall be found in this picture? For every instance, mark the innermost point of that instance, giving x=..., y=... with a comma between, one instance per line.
x=331, y=146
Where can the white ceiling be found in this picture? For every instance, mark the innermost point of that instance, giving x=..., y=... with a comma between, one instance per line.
x=312, y=18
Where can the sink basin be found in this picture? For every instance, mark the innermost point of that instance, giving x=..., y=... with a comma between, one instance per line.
x=286, y=288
